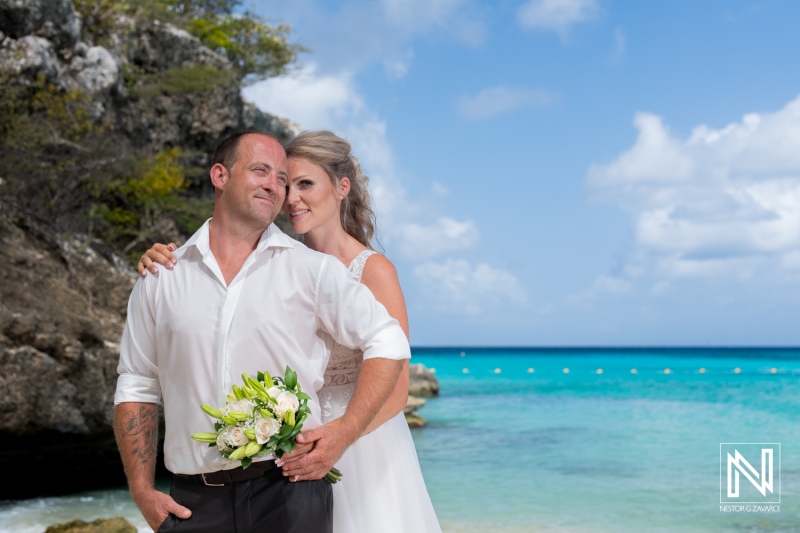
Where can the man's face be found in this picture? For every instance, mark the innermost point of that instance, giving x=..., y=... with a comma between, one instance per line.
x=255, y=187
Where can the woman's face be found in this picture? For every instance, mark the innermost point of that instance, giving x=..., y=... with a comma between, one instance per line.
x=312, y=201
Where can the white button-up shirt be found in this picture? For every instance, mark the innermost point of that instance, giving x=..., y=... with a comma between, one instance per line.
x=189, y=337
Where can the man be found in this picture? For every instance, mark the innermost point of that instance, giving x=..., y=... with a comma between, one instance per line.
x=247, y=298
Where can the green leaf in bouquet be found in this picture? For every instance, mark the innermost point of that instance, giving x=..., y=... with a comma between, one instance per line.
x=303, y=396
x=212, y=444
x=260, y=376
x=264, y=451
x=285, y=430
x=291, y=378
x=218, y=426
x=246, y=462
x=286, y=445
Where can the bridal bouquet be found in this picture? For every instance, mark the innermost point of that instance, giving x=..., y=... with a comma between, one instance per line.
x=263, y=416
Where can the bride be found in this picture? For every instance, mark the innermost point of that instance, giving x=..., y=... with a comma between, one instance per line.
x=327, y=202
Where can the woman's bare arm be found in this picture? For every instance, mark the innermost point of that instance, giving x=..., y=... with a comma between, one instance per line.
x=380, y=277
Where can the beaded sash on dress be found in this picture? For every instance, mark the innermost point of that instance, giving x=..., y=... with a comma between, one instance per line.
x=344, y=364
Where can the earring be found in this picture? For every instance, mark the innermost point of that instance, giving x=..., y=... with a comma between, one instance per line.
x=341, y=197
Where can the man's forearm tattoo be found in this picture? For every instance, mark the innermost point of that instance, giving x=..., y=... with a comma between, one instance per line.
x=142, y=429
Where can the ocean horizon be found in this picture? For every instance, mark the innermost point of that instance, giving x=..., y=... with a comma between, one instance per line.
x=575, y=439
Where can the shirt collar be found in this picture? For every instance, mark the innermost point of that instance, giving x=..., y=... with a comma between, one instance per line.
x=272, y=237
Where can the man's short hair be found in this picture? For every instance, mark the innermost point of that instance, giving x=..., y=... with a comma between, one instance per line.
x=225, y=154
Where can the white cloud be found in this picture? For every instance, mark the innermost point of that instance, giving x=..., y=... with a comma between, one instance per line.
x=457, y=287
x=722, y=202
x=311, y=99
x=419, y=242
x=556, y=15
x=501, y=99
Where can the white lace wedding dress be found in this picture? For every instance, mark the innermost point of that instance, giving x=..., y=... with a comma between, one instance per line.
x=382, y=489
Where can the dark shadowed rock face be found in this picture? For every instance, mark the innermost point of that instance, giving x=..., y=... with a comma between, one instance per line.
x=62, y=305
x=54, y=20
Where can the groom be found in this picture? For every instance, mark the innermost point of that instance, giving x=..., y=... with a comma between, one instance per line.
x=247, y=299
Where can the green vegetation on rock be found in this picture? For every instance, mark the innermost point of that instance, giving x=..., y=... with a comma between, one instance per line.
x=255, y=48
x=180, y=80
x=101, y=525
x=78, y=175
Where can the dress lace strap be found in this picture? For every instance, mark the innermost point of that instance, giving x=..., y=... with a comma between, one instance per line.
x=357, y=264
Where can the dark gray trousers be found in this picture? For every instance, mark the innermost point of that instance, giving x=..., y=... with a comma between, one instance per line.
x=266, y=504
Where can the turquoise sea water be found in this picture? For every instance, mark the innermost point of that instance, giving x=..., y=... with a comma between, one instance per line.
x=516, y=444
x=614, y=451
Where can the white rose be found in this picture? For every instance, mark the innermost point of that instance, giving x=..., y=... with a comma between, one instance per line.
x=236, y=437
x=274, y=392
x=243, y=406
x=222, y=440
x=265, y=428
x=286, y=402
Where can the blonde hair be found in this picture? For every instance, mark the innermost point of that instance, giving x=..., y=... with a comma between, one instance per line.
x=333, y=154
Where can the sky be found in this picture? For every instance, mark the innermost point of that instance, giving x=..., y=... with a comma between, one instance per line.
x=568, y=172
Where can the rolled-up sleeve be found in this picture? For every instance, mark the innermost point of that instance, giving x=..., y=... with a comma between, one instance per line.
x=138, y=362
x=349, y=312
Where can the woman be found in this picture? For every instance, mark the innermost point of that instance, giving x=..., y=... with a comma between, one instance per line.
x=327, y=202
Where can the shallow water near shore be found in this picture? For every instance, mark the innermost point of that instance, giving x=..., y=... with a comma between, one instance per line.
x=516, y=444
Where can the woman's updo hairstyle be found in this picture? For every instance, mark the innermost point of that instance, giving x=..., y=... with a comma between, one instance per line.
x=333, y=154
